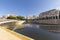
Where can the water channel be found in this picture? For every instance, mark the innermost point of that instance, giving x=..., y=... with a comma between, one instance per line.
x=40, y=32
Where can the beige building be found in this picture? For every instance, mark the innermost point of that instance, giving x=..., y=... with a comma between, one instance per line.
x=33, y=17
x=54, y=13
x=49, y=17
x=5, y=16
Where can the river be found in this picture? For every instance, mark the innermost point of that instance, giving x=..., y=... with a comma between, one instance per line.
x=40, y=32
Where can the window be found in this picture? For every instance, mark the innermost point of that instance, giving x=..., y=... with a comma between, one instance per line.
x=53, y=17
x=50, y=17
x=59, y=16
x=46, y=17
x=56, y=17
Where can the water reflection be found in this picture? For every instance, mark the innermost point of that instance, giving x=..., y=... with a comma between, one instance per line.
x=40, y=32
x=51, y=28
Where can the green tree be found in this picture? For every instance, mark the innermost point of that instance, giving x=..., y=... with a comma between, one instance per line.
x=20, y=17
x=12, y=17
x=16, y=17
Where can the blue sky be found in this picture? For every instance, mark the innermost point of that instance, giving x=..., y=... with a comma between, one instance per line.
x=27, y=7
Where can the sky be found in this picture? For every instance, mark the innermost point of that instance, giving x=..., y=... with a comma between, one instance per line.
x=27, y=7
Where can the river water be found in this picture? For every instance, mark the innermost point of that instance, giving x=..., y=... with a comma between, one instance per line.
x=40, y=32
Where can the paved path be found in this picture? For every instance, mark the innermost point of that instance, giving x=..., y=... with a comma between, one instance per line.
x=7, y=21
x=6, y=35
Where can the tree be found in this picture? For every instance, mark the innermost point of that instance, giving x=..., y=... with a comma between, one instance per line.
x=16, y=17
x=12, y=17
x=20, y=17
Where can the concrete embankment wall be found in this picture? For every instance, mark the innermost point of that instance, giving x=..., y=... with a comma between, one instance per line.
x=20, y=22
x=49, y=21
x=12, y=23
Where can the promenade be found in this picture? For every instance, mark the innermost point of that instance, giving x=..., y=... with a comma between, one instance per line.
x=6, y=34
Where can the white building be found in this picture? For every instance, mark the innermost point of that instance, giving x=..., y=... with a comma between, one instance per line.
x=5, y=16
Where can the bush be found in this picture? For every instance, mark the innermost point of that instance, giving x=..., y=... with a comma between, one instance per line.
x=16, y=17
x=11, y=17
x=20, y=17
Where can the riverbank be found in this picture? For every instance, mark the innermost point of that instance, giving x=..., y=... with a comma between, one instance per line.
x=7, y=34
x=42, y=23
x=39, y=32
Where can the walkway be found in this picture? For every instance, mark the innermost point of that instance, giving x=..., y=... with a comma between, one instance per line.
x=7, y=21
x=6, y=34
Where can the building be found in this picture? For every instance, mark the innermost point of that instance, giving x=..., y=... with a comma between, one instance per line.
x=5, y=16
x=32, y=17
x=50, y=17
x=51, y=14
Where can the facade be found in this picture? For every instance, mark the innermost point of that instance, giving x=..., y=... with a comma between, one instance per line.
x=50, y=17
x=32, y=17
x=29, y=18
x=51, y=14
x=5, y=16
